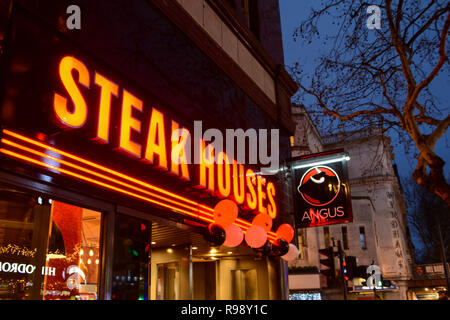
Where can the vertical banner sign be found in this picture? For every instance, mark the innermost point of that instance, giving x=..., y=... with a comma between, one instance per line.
x=321, y=189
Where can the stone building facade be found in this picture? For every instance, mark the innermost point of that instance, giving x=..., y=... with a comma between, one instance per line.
x=379, y=232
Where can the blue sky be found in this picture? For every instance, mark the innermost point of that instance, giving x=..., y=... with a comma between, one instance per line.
x=292, y=13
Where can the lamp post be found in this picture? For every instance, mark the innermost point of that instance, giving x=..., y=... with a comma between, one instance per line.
x=341, y=263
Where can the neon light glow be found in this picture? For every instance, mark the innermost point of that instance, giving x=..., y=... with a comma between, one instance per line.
x=108, y=88
x=128, y=123
x=107, y=178
x=156, y=129
x=178, y=151
x=223, y=178
x=226, y=179
x=77, y=118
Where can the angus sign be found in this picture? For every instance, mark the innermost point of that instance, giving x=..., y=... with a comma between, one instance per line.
x=322, y=194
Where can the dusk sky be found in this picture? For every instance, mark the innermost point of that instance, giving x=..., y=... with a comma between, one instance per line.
x=293, y=12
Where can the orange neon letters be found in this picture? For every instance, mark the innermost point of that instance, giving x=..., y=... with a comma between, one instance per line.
x=178, y=154
x=128, y=123
x=238, y=182
x=261, y=194
x=77, y=118
x=233, y=180
x=272, y=207
x=156, y=132
x=223, y=175
x=207, y=164
x=251, y=199
x=108, y=88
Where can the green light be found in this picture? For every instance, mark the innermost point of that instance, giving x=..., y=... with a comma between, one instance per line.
x=135, y=253
x=380, y=283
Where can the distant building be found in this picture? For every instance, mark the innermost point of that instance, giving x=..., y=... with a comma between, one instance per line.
x=379, y=231
x=429, y=282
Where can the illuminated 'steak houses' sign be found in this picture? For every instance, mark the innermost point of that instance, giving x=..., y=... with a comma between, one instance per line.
x=148, y=140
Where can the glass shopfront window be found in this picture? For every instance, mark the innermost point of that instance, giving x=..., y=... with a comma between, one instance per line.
x=48, y=249
x=131, y=258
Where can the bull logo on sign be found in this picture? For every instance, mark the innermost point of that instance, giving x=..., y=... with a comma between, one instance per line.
x=319, y=186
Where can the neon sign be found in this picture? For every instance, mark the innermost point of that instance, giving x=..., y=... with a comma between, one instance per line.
x=224, y=179
x=321, y=189
x=36, y=152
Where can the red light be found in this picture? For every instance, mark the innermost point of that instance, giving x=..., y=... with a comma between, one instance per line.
x=196, y=209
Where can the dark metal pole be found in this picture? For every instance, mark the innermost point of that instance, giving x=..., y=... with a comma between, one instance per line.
x=341, y=263
x=444, y=259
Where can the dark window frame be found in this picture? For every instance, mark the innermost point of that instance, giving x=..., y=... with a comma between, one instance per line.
x=345, y=243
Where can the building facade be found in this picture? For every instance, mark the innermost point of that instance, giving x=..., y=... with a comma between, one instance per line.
x=93, y=204
x=379, y=232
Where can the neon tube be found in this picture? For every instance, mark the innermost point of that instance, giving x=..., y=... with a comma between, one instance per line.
x=240, y=222
x=99, y=175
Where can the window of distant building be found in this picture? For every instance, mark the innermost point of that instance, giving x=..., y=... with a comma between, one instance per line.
x=301, y=244
x=250, y=10
x=362, y=237
x=345, y=238
x=326, y=236
x=248, y=13
x=231, y=3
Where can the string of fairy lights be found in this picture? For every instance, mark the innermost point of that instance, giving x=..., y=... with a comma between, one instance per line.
x=90, y=255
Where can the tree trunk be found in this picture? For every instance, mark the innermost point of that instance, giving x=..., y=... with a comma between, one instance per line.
x=434, y=181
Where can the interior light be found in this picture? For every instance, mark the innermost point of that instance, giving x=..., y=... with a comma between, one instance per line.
x=55, y=256
x=169, y=250
x=89, y=261
x=81, y=252
x=39, y=200
x=153, y=242
x=194, y=248
x=212, y=251
x=91, y=253
x=317, y=163
x=229, y=252
x=426, y=289
x=96, y=261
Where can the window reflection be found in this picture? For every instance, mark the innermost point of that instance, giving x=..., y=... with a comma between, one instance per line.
x=74, y=249
x=40, y=246
x=131, y=258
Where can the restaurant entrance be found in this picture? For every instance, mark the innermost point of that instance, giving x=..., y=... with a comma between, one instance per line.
x=55, y=244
